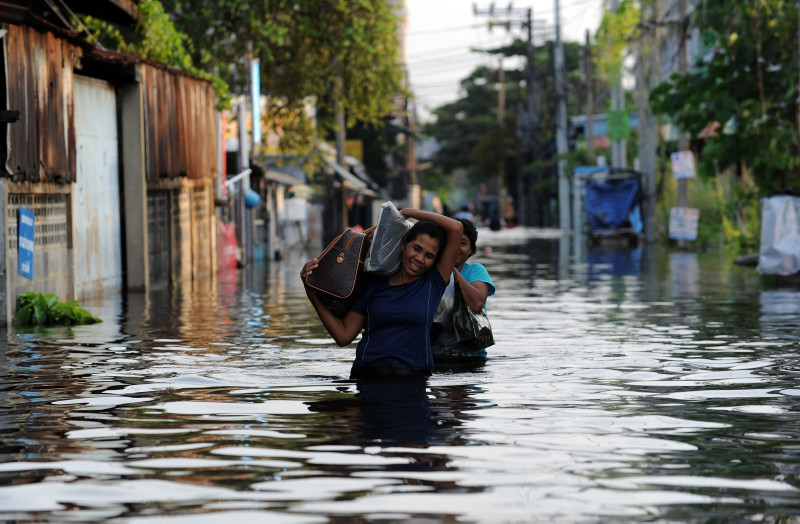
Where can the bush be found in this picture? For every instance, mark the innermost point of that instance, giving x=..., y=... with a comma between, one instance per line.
x=729, y=212
x=36, y=309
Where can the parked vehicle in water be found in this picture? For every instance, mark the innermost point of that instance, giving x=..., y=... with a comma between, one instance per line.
x=612, y=202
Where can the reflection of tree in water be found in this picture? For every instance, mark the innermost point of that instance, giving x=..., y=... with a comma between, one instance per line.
x=398, y=412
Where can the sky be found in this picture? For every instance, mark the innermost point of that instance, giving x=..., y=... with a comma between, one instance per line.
x=440, y=34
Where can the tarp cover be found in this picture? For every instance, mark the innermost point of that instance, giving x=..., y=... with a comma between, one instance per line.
x=608, y=204
x=780, y=236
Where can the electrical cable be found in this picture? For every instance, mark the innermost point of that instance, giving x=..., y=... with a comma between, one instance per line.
x=57, y=11
x=80, y=23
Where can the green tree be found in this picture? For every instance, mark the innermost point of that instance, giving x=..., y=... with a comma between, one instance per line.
x=470, y=136
x=467, y=129
x=326, y=51
x=154, y=37
x=745, y=83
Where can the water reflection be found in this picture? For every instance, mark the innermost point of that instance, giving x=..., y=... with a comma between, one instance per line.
x=399, y=412
x=624, y=385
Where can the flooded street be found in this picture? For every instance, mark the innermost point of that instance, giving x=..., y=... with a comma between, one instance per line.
x=624, y=385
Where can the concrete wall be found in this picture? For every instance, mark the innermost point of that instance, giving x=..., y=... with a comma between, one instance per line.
x=52, y=262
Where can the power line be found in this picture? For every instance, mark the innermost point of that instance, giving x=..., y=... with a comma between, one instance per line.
x=450, y=65
x=444, y=30
x=444, y=58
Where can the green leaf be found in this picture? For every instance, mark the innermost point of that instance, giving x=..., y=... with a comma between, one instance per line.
x=39, y=315
x=51, y=300
x=23, y=316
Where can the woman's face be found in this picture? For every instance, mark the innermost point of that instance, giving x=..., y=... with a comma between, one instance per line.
x=464, y=251
x=419, y=255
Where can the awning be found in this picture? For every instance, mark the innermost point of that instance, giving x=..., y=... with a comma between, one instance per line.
x=348, y=177
x=282, y=178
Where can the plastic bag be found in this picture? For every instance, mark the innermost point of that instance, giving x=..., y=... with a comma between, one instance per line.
x=780, y=236
x=384, y=253
x=473, y=330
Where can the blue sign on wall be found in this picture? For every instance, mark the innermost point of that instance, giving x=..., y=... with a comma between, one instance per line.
x=25, y=242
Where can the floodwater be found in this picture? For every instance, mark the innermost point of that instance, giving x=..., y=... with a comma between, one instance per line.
x=624, y=386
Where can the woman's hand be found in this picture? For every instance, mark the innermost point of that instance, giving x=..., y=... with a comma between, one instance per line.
x=474, y=293
x=308, y=267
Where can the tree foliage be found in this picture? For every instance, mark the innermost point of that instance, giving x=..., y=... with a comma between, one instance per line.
x=471, y=137
x=329, y=51
x=745, y=85
x=617, y=31
x=468, y=130
x=155, y=37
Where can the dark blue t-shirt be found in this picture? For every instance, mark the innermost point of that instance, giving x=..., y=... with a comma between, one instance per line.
x=397, y=321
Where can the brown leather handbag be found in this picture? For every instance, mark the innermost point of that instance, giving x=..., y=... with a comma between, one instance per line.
x=340, y=278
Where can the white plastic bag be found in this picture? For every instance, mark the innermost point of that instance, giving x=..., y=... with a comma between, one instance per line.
x=780, y=236
x=384, y=253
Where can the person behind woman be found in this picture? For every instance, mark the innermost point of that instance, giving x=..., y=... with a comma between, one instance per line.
x=396, y=312
x=476, y=286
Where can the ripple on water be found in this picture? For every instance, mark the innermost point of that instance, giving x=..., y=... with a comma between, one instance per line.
x=616, y=391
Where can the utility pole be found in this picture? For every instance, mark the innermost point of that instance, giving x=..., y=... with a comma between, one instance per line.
x=528, y=127
x=528, y=133
x=618, y=150
x=561, y=127
x=588, y=70
x=647, y=70
x=501, y=111
x=683, y=137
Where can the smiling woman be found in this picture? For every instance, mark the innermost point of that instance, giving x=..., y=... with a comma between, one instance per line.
x=396, y=312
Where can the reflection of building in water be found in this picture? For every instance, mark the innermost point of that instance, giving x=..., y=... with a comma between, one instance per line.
x=256, y=300
x=618, y=262
x=780, y=311
x=684, y=274
x=38, y=373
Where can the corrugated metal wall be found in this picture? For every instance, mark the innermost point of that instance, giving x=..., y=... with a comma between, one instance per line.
x=181, y=125
x=179, y=154
x=39, y=75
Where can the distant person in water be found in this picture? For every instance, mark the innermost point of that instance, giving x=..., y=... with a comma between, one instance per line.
x=465, y=213
x=476, y=286
x=396, y=312
x=494, y=221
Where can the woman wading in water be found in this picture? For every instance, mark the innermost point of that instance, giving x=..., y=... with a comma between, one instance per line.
x=396, y=312
x=476, y=286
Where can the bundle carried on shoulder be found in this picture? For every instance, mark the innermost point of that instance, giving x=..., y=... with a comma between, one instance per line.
x=386, y=249
x=339, y=278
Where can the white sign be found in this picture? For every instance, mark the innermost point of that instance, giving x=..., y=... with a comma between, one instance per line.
x=683, y=223
x=682, y=164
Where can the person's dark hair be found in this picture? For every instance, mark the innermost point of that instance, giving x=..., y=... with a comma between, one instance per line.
x=432, y=229
x=472, y=234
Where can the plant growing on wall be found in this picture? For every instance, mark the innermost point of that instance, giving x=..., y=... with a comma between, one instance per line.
x=155, y=38
x=37, y=309
x=325, y=52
